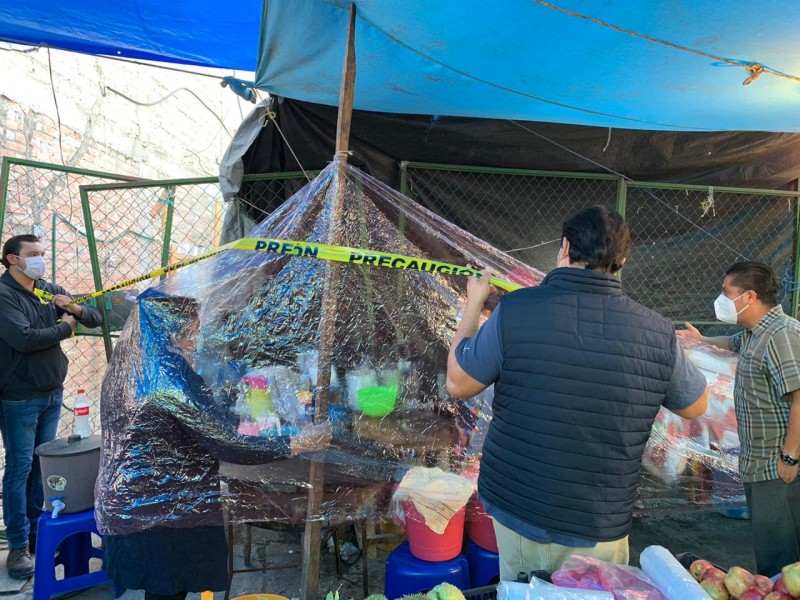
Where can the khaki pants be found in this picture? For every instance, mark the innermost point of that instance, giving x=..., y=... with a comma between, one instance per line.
x=521, y=555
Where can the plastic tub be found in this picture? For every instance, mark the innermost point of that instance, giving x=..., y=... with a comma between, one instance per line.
x=480, y=528
x=377, y=401
x=425, y=544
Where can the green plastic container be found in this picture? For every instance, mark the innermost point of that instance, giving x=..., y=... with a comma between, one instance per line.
x=377, y=401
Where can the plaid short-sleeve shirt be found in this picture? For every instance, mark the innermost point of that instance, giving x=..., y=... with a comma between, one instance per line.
x=767, y=372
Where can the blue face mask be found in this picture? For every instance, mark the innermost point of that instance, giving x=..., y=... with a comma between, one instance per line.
x=35, y=267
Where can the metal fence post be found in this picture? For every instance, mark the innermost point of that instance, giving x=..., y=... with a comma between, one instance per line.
x=4, y=172
x=796, y=273
x=170, y=204
x=404, y=178
x=622, y=196
x=53, y=237
x=621, y=204
x=95, y=260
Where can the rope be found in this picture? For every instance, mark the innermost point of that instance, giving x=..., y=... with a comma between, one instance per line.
x=628, y=179
x=131, y=61
x=172, y=93
x=754, y=69
x=58, y=112
x=532, y=247
x=271, y=116
x=503, y=88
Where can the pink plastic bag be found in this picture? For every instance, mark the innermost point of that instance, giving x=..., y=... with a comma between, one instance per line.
x=626, y=583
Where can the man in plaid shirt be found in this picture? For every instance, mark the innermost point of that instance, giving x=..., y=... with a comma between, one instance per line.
x=767, y=398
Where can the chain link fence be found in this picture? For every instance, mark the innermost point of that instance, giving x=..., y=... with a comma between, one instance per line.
x=101, y=229
x=137, y=228
x=684, y=237
x=44, y=199
x=519, y=212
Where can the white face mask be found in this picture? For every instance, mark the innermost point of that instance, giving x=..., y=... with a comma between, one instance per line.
x=725, y=309
x=34, y=267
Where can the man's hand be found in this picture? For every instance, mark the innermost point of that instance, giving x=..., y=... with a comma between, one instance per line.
x=478, y=289
x=690, y=333
x=787, y=473
x=312, y=438
x=63, y=302
x=70, y=320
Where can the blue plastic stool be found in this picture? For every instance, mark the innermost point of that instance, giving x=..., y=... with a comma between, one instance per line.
x=406, y=574
x=484, y=565
x=73, y=535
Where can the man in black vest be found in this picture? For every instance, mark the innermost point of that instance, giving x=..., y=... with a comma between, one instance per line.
x=580, y=371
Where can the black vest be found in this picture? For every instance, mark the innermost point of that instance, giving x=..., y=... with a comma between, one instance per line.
x=585, y=370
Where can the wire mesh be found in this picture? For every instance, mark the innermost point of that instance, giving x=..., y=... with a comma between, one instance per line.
x=141, y=227
x=684, y=237
x=135, y=229
x=45, y=200
x=518, y=212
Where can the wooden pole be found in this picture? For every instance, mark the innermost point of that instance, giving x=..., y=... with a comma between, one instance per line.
x=327, y=324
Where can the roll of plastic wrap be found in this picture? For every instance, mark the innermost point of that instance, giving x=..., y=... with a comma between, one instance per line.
x=671, y=579
x=540, y=590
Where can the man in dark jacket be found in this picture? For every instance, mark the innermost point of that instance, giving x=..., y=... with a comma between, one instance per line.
x=580, y=371
x=35, y=316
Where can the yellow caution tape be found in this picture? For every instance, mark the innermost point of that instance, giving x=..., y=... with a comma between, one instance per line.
x=342, y=254
x=44, y=297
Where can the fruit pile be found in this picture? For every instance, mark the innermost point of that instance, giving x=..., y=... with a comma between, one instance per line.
x=740, y=584
x=443, y=591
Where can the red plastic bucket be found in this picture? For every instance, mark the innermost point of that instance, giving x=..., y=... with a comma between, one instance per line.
x=479, y=526
x=425, y=544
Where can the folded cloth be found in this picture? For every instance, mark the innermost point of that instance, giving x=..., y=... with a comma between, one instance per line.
x=436, y=495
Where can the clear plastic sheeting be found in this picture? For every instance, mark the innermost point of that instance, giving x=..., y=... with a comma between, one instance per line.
x=694, y=463
x=236, y=378
x=222, y=368
x=541, y=590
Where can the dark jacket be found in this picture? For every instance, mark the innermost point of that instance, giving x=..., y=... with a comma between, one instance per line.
x=30, y=340
x=585, y=370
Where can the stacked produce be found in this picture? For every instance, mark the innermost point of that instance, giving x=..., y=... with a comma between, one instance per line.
x=443, y=591
x=740, y=584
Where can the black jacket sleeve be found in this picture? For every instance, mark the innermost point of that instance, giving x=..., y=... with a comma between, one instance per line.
x=91, y=317
x=16, y=330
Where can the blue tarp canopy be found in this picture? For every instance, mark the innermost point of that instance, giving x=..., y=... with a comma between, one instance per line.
x=666, y=64
x=196, y=32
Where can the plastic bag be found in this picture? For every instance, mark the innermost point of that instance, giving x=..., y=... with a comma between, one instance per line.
x=541, y=590
x=625, y=583
x=672, y=579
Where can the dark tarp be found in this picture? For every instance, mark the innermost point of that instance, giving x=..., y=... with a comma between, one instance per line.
x=680, y=251
x=379, y=141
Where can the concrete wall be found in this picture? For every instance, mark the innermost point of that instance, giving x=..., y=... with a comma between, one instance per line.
x=178, y=137
x=101, y=130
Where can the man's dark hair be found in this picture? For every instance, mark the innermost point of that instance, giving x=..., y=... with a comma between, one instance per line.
x=599, y=237
x=14, y=245
x=757, y=277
